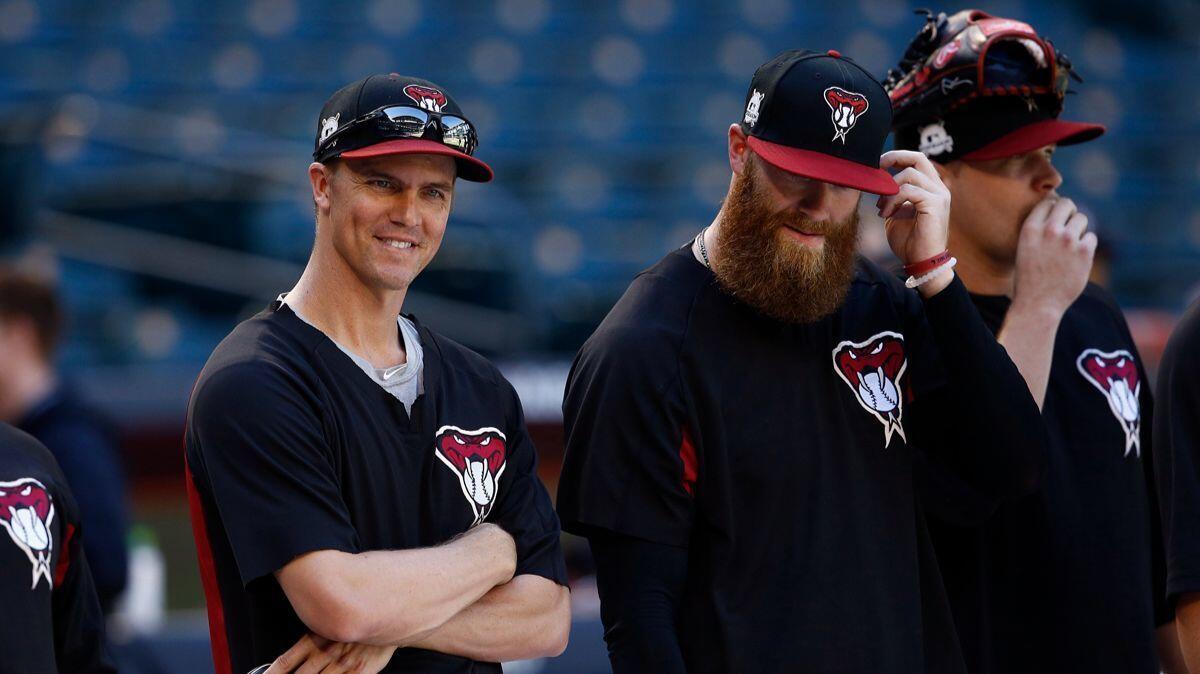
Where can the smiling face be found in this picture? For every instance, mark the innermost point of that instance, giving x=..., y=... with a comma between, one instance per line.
x=991, y=199
x=382, y=218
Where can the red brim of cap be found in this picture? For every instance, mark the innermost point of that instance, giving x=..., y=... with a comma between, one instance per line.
x=823, y=167
x=1033, y=136
x=469, y=168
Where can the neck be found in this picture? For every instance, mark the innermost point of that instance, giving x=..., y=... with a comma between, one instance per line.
x=981, y=273
x=340, y=304
x=711, y=236
x=24, y=389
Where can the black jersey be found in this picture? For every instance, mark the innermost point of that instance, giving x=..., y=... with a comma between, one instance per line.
x=785, y=458
x=1070, y=578
x=291, y=448
x=1177, y=441
x=52, y=619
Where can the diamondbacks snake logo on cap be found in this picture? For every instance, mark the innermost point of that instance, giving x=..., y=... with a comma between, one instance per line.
x=847, y=107
x=426, y=98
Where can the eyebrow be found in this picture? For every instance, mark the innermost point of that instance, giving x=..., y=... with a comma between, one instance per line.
x=369, y=172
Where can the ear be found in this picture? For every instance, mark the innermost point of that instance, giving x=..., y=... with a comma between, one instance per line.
x=739, y=151
x=319, y=175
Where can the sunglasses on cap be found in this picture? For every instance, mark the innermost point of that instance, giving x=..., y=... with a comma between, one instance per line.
x=407, y=121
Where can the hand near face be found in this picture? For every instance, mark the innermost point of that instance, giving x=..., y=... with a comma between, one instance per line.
x=1054, y=255
x=917, y=218
x=314, y=654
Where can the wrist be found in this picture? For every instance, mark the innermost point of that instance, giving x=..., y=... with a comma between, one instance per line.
x=1039, y=310
x=504, y=547
x=936, y=285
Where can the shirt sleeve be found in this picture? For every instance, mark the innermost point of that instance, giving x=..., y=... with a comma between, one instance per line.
x=524, y=509
x=631, y=465
x=79, y=631
x=980, y=436
x=257, y=435
x=641, y=586
x=1177, y=456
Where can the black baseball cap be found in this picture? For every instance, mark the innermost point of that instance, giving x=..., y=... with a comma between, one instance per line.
x=359, y=120
x=822, y=116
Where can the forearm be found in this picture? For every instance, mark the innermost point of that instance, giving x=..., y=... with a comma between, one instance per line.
x=1187, y=624
x=1000, y=440
x=527, y=617
x=641, y=586
x=392, y=596
x=1170, y=658
x=1028, y=337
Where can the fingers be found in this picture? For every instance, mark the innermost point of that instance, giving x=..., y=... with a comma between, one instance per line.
x=322, y=657
x=1075, y=227
x=1060, y=212
x=1035, y=222
x=911, y=176
x=923, y=201
x=905, y=159
x=294, y=656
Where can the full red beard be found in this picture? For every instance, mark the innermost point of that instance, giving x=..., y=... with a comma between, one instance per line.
x=781, y=278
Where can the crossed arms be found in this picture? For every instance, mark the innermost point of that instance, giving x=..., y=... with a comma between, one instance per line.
x=459, y=598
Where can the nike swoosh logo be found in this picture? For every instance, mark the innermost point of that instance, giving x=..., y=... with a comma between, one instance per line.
x=387, y=374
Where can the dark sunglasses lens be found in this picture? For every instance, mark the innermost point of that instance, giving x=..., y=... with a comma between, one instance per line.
x=458, y=133
x=408, y=122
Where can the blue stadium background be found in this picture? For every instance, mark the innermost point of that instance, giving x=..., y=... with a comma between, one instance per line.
x=153, y=156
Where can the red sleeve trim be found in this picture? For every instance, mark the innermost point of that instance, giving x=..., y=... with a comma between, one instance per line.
x=691, y=465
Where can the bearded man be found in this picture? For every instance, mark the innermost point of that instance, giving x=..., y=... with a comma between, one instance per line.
x=749, y=428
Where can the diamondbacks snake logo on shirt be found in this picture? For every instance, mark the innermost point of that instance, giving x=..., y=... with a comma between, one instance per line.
x=477, y=458
x=872, y=369
x=26, y=512
x=1115, y=374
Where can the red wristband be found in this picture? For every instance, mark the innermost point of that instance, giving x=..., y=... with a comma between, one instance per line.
x=923, y=267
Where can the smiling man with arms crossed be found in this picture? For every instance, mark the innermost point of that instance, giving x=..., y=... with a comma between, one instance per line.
x=364, y=492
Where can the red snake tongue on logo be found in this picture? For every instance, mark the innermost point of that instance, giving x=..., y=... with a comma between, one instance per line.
x=26, y=512
x=478, y=458
x=872, y=369
x=1115, y=374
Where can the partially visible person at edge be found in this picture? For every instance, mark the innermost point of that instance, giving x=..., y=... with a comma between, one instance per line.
x=1177, y=441
x=1070, y=578
x=52, y=619
x=37, y=400
x=748, y=427
x=364, y=491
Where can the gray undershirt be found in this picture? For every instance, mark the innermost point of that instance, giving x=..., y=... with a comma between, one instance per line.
x=405, y=382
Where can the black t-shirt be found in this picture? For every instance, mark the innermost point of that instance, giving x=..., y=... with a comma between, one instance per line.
x=780, y=456
x=1177, y=441
x=1070, y=578
x=52, y=620
x=291, y=448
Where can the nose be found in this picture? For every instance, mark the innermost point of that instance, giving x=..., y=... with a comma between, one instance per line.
x=403, y=210
x=815, y=199
x=1046, y=178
